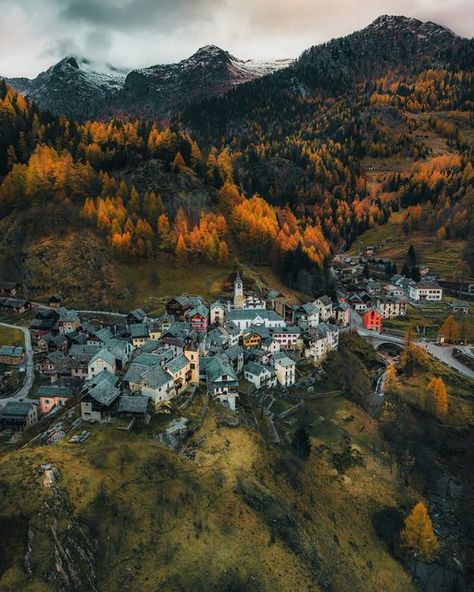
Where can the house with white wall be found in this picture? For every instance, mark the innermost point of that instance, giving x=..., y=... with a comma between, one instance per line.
x=285, y=369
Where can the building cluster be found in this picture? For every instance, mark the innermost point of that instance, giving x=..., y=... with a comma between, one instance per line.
x=139, y=363
x=369, y=286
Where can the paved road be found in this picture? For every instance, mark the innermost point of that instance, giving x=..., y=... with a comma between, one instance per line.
x=30, y=367
x=443, y=353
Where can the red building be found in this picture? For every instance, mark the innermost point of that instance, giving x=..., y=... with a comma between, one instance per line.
x=199, y=318
x=373, y=319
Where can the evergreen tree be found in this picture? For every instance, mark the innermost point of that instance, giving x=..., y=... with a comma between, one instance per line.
x=301, y=443
x=411, y=259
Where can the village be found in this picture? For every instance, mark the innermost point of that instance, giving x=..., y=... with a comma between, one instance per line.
x=125, y=367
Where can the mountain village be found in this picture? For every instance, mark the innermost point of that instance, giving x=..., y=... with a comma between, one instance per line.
x=129, y=366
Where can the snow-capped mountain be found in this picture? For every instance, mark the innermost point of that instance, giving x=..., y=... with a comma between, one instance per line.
x=74, y=86
x=80, y=88
x=210, y=71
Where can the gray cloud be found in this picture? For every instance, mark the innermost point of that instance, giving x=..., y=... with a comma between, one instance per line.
x=129, y=15
x=134, y=33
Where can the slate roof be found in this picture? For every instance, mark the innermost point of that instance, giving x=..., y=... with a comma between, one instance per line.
x=307, y=308
x=83, y=351
x=105, y=355
x=327, y=329
x=138, y=314
x=118, y=347
x=13, y=302
x=103, y=334
x=231, y=328
x=288, y=330
x=283, y=360
x=217, y=304
x=139, y=330
x=157, y=377
x=255, y=368
x=53, y=390
x=217, y=367
x=426, y=285
x=272, y=294
x=11, y=350
x=16, y=409
x=149, y=360
x=45, y=324
x=105, y=375
x=241, y=314
x=135, y=373
x=325, y=300
x=460, y=304
x=136, y=404
x=177, y=364
x=190, y=301
x=104, y=393
x=149, y=346
x=216, y=337
x=200, y=310
x=258, y=330
x=67, y=316
x=234, y=352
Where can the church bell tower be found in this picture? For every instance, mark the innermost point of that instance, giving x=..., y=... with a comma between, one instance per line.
x=238, y=292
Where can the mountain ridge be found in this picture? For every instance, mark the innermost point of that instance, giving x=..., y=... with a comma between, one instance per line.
x=79, y=88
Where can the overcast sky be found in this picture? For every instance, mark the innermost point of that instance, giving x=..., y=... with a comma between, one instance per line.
x=131, y=33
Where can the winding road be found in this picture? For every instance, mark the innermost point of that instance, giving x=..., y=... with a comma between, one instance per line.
x=443, y=353
x=23, y=392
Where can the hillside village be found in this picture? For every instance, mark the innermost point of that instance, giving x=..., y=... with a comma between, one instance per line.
x=132, y=365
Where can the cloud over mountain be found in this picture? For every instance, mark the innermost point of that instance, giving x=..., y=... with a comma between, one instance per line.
x=134, y=33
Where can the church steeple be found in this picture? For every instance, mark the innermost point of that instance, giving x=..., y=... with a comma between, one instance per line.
x=238, y=291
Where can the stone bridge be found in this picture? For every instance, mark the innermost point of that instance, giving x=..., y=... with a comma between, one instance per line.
x=378, y=339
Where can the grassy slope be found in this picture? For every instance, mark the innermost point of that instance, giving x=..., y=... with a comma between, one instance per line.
x=432, y=318
x=10, y=336
x=227, y=520
x=393, y=243
x=195, y=277
x=460, y=392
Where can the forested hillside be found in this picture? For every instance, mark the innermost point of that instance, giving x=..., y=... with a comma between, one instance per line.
x=284, y=170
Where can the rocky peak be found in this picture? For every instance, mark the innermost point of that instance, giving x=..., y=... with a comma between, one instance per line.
x=403, y=24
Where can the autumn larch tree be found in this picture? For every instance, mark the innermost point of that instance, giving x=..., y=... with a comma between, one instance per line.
x=412, y=356
x=450, y=330
x=181, y=248
x=391, y=378
x=439, y=397
x=418, y=536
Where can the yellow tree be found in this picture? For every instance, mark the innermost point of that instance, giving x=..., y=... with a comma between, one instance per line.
x=418, y=535
x=181, y=248
x=178, y=163
x=391, y=378
x=450, y=330
x=439, y=397
x=223, y=252
x=412, y=356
